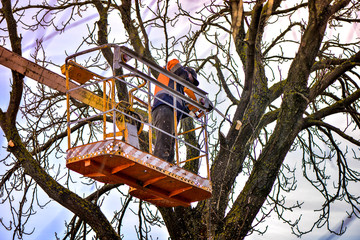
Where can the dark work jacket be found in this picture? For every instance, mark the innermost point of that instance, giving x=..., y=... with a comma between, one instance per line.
x=175, y=67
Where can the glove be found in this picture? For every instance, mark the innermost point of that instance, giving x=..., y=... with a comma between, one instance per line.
x=207, y=104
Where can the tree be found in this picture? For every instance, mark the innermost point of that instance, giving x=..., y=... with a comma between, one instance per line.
x=282, y=69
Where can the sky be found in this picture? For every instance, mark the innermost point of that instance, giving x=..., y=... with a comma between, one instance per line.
x=56, y=45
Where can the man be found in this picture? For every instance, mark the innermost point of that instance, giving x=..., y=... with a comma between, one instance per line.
x=162, y=113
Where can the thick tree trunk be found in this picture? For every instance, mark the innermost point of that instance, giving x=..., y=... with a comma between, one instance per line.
x=289, y=123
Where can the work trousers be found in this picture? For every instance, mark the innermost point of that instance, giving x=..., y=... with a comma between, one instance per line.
x=163, y=118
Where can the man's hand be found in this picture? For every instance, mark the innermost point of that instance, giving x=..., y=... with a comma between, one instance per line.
x=207, y=104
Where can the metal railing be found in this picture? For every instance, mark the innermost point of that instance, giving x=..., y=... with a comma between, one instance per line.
x=142, y=95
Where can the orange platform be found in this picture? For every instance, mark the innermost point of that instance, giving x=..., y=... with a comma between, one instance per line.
x=150, y=178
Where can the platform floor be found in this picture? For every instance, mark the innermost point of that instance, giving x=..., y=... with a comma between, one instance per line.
x=152, y=179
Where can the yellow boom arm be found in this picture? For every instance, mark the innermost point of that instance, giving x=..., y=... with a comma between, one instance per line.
x=42, y=75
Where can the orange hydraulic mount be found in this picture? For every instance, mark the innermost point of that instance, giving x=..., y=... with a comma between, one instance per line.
x=118, y=158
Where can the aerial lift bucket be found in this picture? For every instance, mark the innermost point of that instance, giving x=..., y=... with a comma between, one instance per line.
x=114, y=160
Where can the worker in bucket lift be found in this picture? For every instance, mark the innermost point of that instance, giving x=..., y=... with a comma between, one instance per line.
x=162, y=113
